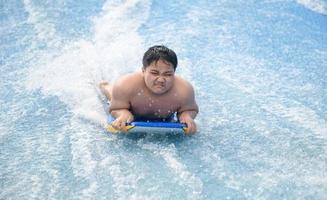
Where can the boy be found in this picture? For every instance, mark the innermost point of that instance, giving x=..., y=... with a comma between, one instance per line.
x=155, y=93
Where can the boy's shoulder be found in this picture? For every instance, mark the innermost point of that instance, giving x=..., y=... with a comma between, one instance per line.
x=128, y=83
x=131, y=77
x=183, y=84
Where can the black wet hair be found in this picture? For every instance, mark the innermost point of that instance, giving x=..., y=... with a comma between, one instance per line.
x=155, y=53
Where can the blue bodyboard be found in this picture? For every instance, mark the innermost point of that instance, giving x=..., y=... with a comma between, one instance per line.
x=151, y=127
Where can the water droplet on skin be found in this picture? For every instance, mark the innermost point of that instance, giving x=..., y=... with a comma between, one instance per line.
x=139, y=93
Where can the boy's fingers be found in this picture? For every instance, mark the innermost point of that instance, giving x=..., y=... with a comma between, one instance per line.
x=119, y=125
x=129, y=120
x=191, y=128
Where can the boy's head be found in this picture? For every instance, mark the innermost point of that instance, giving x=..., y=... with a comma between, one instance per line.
x=159, y=65
x=159, y=52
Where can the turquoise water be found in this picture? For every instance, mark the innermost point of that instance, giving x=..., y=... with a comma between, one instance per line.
x=259, y=69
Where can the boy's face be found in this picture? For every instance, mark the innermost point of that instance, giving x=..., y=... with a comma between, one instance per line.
x=159, y=76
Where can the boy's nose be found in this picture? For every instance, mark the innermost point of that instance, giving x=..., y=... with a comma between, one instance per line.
x=161, y=79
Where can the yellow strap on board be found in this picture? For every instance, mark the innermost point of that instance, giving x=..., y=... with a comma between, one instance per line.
x=113, y=130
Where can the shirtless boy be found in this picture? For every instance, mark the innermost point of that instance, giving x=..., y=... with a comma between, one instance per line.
x=155, y=93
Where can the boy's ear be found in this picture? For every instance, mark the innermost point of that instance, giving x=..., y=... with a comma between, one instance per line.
x=143, y=69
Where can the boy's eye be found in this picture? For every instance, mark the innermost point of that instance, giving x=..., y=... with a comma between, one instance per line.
x=154, y=72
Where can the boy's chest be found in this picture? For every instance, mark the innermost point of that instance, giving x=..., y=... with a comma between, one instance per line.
x=155, y=107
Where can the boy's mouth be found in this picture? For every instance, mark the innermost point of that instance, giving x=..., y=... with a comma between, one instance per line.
x=159, y=85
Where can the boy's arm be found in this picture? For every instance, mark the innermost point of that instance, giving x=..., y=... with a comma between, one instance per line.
x=119, y=106
x=189, y=109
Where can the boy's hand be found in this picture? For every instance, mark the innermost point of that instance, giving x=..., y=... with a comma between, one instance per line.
x=188, y=120
x=121, y=122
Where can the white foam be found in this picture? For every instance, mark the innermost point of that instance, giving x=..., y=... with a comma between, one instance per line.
x=124, y=184
x=83, y=164
x=45, y=31
x=115, y=49
x=318, y=6
x=120, y=19
x=183, y=176
x=89, y=192
x=10, y=191
x=73, y=76
x=36, y=186
x=301, y=115
x=3, y=132
x=263, y=85
x=185, y=71
x=36, y=149
x=218, y=169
